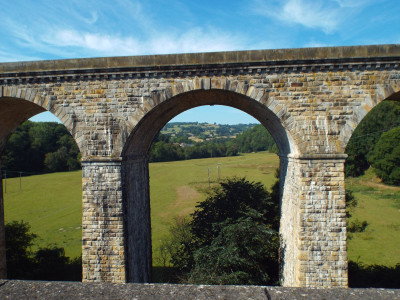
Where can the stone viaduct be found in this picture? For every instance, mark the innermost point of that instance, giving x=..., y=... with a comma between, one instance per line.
x=311, y=100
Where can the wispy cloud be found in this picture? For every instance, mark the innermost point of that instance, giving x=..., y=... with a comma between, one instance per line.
x=87, y=33
x=324, y=15
x=193, y=40
x=75, y=28
x=312, y=15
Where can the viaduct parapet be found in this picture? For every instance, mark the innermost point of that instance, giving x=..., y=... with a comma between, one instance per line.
x=311, y=100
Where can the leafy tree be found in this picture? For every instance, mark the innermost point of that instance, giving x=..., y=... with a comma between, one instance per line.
x=19, y=240
x=244, y=252
x=256, y=139
x=233, y=199
x=48, y=263
x=52, y=264
x=353, y=226
x=381, y=118
x=232, y=237
x=40, y=147
x=17, y=154
x=57, y=161
x=175, y=250
x=385, y=157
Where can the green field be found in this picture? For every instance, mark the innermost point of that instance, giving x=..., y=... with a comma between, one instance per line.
x=52, y=203
x=175, y=187
x=379, y=205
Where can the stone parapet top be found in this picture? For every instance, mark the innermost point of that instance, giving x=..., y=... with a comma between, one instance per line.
x=14, y=289
x=280, y=56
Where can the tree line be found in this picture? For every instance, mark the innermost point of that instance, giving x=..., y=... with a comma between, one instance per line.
x=40, y=147
x=180, y=147
x=376, y=143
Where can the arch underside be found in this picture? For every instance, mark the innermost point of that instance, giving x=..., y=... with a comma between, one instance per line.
x=13, y=112
x=145, y=131
x=392, y=93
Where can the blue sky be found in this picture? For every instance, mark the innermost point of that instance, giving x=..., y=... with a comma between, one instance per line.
x=55, y=29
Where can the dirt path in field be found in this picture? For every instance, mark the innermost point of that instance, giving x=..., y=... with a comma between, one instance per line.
x=379, y=185
x=186, y=199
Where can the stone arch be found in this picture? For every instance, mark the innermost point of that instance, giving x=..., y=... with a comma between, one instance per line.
x=18, y=105
x=375, y=97
x=381, y=93
x=144, y=131
x=135, y=176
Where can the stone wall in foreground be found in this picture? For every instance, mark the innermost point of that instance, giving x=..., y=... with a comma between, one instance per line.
x=75, y=290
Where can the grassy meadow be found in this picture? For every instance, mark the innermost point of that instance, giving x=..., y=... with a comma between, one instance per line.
x=379, y=205
x=52, y=203
x=176, y=187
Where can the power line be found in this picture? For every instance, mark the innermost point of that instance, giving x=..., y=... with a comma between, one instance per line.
x=22, y=172
x=3, y=176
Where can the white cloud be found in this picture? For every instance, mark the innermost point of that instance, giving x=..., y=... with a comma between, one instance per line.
x=312, y=15
x=194, y=40
x=325, y=15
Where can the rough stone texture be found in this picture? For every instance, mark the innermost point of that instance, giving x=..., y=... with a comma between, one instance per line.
x=290, y=214
x=103, y=252
x=322, y=255
x=75, y=290
x=311, y=100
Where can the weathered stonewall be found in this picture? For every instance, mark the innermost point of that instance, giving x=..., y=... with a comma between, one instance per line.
x=311, y=100
x=14, y=289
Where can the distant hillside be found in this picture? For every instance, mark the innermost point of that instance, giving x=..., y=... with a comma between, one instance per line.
x=53, y=149
x=199, y=132
x=180, y=141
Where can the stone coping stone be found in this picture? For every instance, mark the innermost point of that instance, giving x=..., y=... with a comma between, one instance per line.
x=16, y=289
x=347, y=53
